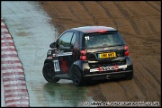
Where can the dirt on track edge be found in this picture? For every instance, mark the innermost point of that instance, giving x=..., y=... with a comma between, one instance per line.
x=139, y=24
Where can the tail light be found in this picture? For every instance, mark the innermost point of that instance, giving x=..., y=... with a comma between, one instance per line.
x=126, y=50
x=83, y=55
x=102, y=31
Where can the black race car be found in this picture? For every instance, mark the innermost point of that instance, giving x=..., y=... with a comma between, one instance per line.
x=88, y=53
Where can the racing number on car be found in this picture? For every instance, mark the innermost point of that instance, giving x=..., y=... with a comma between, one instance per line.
x=56, y=65
x=87, y=37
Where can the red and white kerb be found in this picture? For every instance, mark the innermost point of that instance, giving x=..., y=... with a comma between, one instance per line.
x=15, y=90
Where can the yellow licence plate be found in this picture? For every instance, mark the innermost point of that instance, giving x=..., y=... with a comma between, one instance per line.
x=107, y=55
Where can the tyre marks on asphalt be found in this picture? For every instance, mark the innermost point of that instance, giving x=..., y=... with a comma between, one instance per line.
x=155, y=73
x=151, y=29
x=131, y=90
x=108, y=12
x=148, y=84
x=140, y=86
x=13, y=76
x=88, y=10
x=98, y=93
x=127, y=15
x=113, y=91
x=139, y=18
x=152, y=4
x=75, y=12
x=143, y=86
x=152, y=74
x=140, y=23
x=80, y=19
x=103, y=15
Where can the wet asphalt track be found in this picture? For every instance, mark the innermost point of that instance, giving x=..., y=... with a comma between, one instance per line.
x=32, y=33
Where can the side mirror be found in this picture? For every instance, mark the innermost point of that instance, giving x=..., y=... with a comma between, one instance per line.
x=52, y=45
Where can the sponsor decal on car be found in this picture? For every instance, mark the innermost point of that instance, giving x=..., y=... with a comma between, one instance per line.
x=107, y=68
x=61, y=53
x=64, y=66
x=56, y=65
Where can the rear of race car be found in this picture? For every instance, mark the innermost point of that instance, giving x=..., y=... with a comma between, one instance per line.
x=105, y=56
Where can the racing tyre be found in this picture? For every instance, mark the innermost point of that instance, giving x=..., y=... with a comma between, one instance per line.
x=49, y=74
x=76, y=76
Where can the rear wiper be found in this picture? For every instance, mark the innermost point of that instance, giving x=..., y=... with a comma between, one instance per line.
x=119, y=45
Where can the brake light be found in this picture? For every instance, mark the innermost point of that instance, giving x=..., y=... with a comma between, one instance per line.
x=83, y=58
x=83, y=55
x=102, y=31
x=83, y=52
x=126, y=50
x=126, y=53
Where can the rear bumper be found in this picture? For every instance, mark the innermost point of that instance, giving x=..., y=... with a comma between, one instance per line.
x=107, y=76
x=102, y=71
x=110, y=72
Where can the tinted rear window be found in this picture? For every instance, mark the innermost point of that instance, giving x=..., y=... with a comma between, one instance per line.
x=102, y=40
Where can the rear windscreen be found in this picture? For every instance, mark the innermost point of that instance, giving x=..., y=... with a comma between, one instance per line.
x=102, y=40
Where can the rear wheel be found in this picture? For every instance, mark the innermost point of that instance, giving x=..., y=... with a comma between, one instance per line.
x=76, y=76
x=49, y=74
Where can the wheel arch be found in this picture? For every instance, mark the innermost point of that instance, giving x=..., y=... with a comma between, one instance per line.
x=82, y=65
x=78, y=64
x=47, y=61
